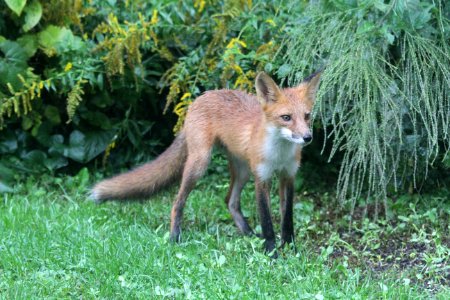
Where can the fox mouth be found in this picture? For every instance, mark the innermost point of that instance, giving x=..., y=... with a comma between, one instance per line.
x=299, y=140
x=295, y=138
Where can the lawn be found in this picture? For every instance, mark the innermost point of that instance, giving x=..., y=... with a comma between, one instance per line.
x=56, y=243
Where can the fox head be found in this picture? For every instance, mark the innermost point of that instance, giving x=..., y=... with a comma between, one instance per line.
x=288, y=110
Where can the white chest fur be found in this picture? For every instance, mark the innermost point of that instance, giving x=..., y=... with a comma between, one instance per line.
x=279, y=155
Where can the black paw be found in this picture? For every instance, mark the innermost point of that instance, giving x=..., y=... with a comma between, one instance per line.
x=270, y=249
x=288, y=246
x=175, y=236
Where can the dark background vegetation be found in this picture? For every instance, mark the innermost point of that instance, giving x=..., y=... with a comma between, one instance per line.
x=106, y=84
x=89, y=88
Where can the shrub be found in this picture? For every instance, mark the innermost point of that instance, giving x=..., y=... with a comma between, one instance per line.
x=90, y=77
x=385, y=89
x=82, y=78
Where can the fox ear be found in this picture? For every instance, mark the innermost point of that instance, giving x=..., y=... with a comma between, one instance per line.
x=311, y=84
x=266, y=89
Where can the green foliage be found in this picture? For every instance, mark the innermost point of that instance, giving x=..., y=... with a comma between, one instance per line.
x=384, y=92
x=33, y=14
x=75, y=248
x=113, y=71
x=16, y=5
x=114, y=63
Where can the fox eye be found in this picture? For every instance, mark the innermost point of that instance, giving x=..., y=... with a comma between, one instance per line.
x=307, y=116
x=286, y=118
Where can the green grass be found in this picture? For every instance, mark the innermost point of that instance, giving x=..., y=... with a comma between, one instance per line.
x=55, y=243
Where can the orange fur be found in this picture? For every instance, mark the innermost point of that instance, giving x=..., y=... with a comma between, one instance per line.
x=262, y=135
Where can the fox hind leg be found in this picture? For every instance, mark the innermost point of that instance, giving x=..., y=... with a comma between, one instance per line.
x=194, y=168
x=239, y=177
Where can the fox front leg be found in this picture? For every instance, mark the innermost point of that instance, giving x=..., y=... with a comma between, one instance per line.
x=263, y=201
x=286, y=210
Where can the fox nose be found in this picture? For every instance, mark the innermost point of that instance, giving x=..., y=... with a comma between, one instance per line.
x=307, y=138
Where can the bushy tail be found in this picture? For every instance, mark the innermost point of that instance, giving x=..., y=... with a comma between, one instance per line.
x=146, y=179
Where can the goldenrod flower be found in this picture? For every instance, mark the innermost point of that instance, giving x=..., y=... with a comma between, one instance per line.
x=68, y=67
x=154, y=19
x=236, y=41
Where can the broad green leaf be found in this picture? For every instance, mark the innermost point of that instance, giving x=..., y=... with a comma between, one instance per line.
x=51, y=36
x=36, y=128
x=57, y=139
x=96, y=142
x=57, y=146
x=13, y=53
x=52, y=114
x=54, y=163
x=134, y=134
x=76, y=147
x=55, y=40
x=98, y=119
x=16, y=5
x=43, y=133
x=284, y=70
x=13, y=61
x=84, y=147
x=7, y=174
x=8, y=143
x=35, y=157
x=27, y=123
x=28, y=43
x=33, y=14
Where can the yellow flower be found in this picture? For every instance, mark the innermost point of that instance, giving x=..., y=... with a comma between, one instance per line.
x=236, y=41
x=68, y=67
x=200, y=5
x=180, y=108
x=237, y=68
x=186, y=95
x=271, y=22
x=154, y=19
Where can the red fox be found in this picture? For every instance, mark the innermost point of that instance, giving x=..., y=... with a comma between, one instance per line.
x=261, y=134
